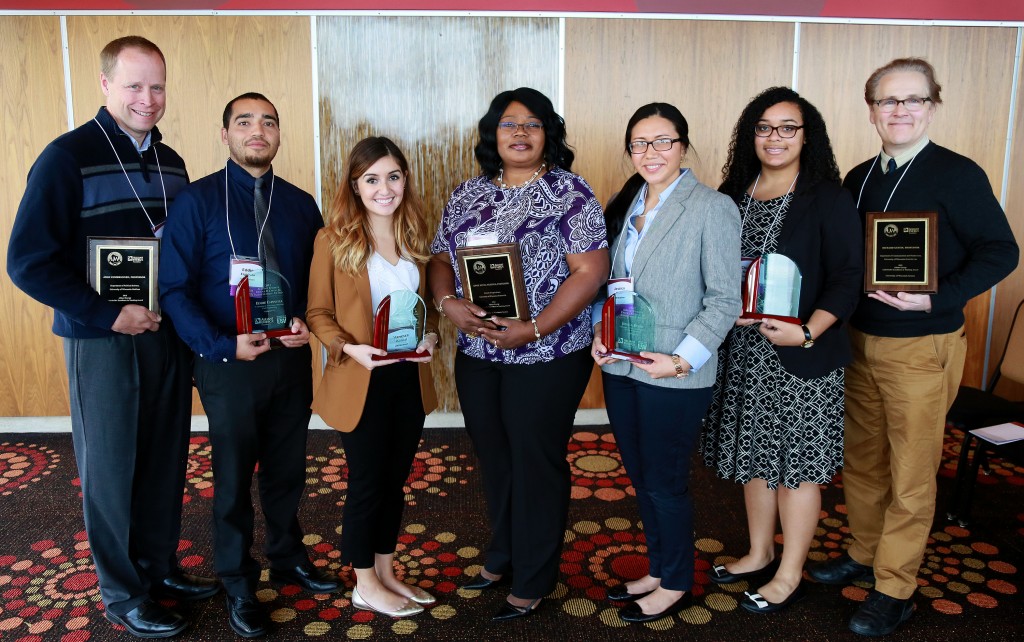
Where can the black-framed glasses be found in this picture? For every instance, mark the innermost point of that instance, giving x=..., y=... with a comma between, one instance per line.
x=659, y=145
x=762, y=130
x=888, y=105
x=528, y=128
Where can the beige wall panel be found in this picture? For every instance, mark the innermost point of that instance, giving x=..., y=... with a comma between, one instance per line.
x=709, y=70
x=1011, y=291
x=210, y=60
x=972, y=63
x=32, y=376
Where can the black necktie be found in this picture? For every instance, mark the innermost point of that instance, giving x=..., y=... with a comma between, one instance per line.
x=891, y=167
x=267, y=252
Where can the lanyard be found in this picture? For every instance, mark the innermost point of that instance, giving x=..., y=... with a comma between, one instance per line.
x=775, y=221
x=159, y=171
x=227, y=216
x=871, y=169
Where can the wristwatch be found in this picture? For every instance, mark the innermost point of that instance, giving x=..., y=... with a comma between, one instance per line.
x=808, y=339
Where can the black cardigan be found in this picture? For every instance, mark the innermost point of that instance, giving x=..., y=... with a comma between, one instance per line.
x=822, y=234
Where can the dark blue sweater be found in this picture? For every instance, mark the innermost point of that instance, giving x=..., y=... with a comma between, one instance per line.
x=976, y=245
x=77, y=189
x=195, y=260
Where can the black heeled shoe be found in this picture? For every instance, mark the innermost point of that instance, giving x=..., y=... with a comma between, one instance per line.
x=719, y=575
x=509, y=611
x=622, y=594
x=633, y=613
x=481, y=583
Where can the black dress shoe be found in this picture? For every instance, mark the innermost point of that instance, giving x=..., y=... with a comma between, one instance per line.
x=841, y=570
x=308, y=577
x=633, y=613
x=755, y=602
x=150, y=620
x=510, y=611
x=622, y=594
x=246, y=617
x=880, y=615
x=719, y=574
x=481, y=583
x=185, y=588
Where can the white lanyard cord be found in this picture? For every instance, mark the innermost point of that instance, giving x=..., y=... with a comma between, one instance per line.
x=870, y=169
x=159, y=171
x=227, y=215
x=775, y=220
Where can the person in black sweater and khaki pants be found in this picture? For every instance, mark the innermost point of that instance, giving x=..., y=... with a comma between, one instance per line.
x=909, y=348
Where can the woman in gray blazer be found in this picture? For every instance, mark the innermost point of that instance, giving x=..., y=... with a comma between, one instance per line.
x=675, y=242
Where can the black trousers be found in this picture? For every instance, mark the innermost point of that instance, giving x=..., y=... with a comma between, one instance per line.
x=379, y=453
x=520, y=418
x=131, y=402
x=259, y=415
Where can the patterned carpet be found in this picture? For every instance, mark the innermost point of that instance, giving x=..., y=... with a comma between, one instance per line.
x=970, y=585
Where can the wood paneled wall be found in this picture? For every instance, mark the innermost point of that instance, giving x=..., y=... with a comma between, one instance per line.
x=709, y=69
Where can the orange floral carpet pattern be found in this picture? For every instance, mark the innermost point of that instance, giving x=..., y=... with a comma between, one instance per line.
x=969, y=584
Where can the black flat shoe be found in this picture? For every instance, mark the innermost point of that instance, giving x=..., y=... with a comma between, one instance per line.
x=481, y=583
x=755, y=603
x=150, y=620
x=246, y=617
x=633, y=613
x=622, y=594
x=719, y=574
x=185, y=588
x=308, y=577
x=511, y=612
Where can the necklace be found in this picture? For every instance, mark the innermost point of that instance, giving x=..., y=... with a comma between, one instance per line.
x=502, y=185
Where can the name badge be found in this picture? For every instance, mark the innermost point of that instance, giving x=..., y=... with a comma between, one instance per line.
x=615, y=286
x=250, y=267
x=476, y=239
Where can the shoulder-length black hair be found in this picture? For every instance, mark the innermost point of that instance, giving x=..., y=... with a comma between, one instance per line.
x=557, y=152
x=615, y=213
x=817, y=162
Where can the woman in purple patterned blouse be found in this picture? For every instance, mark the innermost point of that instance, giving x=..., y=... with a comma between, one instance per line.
x=520, y=381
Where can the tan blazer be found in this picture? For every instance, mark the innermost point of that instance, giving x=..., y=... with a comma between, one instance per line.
x=338, y=313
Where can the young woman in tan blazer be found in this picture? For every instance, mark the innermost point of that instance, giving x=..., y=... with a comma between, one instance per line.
x=374, y=243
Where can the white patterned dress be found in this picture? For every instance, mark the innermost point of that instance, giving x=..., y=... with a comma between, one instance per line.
x=765, y=423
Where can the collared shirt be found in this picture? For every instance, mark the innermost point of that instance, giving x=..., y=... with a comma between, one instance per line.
x=690, y=349
x=905, y=157
x=197, y=249
x=139, y=147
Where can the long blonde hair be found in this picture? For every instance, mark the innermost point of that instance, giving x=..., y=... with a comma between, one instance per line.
x=348, y=226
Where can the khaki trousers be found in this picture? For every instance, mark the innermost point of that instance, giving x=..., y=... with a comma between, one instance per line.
x=898, y=391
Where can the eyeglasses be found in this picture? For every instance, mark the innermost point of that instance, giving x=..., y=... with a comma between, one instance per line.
x=888, y=105
x=659, y=145
x=762, y=130
x=528, y=128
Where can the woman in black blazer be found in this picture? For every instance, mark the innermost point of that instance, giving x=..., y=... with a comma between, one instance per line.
x=776, y=421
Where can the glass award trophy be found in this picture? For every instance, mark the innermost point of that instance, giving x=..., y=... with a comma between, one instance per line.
x=627, y=327
x=771, y=289
x=398, y=325
x=260, y=306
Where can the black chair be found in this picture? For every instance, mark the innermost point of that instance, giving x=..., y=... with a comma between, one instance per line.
x=976, y=408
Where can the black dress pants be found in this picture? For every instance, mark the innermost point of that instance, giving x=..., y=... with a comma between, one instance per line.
x=259, y=415
x=379, y=453
x=520, y=418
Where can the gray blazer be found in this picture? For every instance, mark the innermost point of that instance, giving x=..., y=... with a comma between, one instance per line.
x=688, y=268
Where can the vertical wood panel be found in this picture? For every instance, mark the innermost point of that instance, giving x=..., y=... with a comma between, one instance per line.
x=32, y=376
x=1011, y=291
x=210, y=60
x=709, y=70
x=974, y=65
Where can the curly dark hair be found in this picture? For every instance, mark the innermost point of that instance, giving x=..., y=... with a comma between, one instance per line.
x=817, y=162
x=615, y=213
x=557, y=152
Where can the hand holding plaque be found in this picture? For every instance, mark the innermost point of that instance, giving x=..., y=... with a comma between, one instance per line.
x=492, y=278
x=627, y=327
x=261, y=308
x=771, y=289
x=124, y=270
x=398, y=326
x=901, y=252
